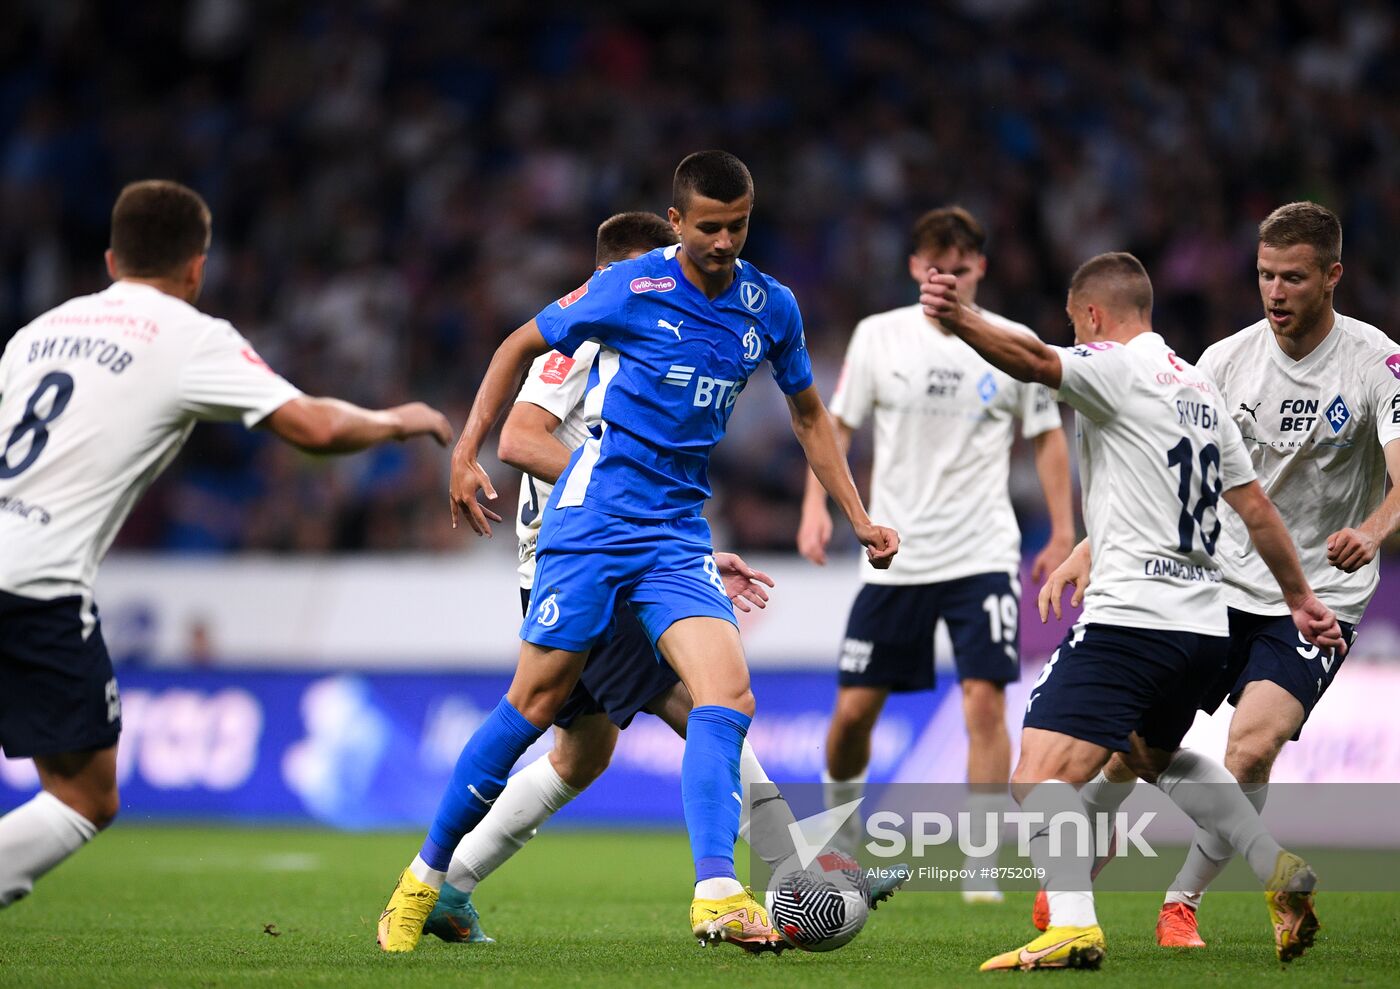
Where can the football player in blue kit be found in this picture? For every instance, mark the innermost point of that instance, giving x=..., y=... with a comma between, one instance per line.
x=680, y=331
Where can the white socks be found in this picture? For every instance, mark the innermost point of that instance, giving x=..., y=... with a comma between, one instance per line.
x=763, y=822
x=531, y=796
x=1103, y=796
x=1211, y=797
x=425, y=873
x=35, y=837
x=1207, y=859
x=838, y=792
x=979, y=836
x=1067, y=884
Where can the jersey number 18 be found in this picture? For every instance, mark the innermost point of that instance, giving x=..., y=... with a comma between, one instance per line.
x=1193, y=519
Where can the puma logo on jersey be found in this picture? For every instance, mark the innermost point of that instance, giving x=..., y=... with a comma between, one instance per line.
x=673, y=327
x=1253, y=412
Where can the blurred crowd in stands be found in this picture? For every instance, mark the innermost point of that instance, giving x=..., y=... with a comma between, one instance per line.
x=397, y=185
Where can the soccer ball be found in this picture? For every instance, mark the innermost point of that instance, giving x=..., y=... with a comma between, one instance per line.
x=821, y=907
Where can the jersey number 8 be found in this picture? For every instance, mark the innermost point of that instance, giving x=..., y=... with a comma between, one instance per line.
x=36, y=424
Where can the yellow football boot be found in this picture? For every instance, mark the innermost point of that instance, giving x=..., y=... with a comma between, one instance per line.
x=401, y=923
x=1289, y=894
x=1058, y=947
x=738, y=919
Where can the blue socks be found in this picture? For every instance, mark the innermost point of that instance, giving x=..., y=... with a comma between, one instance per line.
x=710, y=788
x=479, y=778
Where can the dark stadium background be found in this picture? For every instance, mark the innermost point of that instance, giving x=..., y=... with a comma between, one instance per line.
x=397, y=185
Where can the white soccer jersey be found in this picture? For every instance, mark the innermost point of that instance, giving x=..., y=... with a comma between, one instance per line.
x=96, y=397
x=556, y=384
x=1315, y=430
x=1155, y=451
x=943, y=434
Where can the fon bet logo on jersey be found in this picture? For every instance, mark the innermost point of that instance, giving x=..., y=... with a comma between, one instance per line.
x=1320, y=460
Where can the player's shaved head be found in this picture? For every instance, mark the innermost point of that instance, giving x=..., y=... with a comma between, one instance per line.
x=157, y=226
x=716, y=175
x=1116, y=281
x=1305, y=223
x=624, y=234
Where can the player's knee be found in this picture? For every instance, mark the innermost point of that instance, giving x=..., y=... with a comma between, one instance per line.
x=984, y=709
x=539, y=704
x=98, y=806
x=1251, y=761
x=853, y=719
x=106, y=809
x=579, y=767
x=744, y=703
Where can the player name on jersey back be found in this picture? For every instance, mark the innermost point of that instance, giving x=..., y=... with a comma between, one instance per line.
x=96, y=397
x=1315, y=430
x=1156, y=451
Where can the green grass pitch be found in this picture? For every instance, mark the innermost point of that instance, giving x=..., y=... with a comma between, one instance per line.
x=215, y=907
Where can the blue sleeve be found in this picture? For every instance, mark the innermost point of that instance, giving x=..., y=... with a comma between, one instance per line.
x=792, y=366
x=593, y=311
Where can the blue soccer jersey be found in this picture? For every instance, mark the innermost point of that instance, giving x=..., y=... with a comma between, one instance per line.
x=671, y=365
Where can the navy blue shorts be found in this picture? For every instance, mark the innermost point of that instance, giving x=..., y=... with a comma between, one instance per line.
x=57, y=691
x=1270, y=647
x=620, y=677
x=889, y=635
x=1106, y=682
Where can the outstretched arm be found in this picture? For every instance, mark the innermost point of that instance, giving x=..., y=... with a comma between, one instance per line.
x=1313, y=619
x=812, y=424
x=1351, y=549
x=511, y=359
x=329, y=425
x=1020, y=355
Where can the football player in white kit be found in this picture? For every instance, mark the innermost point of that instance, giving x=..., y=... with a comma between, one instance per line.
x=1157, y=453
x=96, y=397
x=1316, y=396
x=944, y=423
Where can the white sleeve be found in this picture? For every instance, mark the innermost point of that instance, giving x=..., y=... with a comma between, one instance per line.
x=224, y=378
x=855, y=389
x=556, y=383
x=1387, y=398
x=1095, y=378
x=5, y=362
x=1235, y=466
x=1038, y=410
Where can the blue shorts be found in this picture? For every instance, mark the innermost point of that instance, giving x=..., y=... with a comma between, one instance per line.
x=587, y=562
x=620, y=677
x=889, y=635
x=1265, y=647
x=57, y=691
x=1106, y=682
